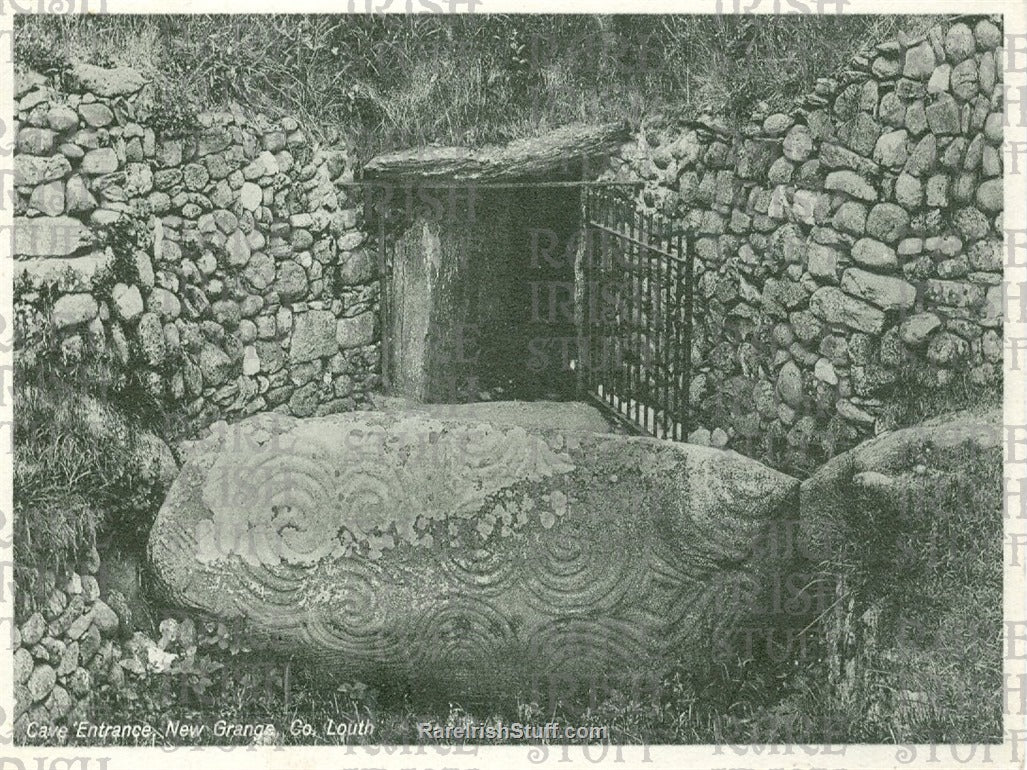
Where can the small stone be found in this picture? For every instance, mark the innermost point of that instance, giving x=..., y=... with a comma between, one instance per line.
x=890, y=149
x=96, y=114
x=825, y=372
x=964, y=83
x=938, y=191
x=887, y=222
x=849, y=411
x=874, y=254
x=62, y=118
x=73, y=309
x=777, y=124
x=909, y=191
x=915, y=330
x=41, y=682
x=987, y=35
x=195, y=176
x=150, y=334
x=238, y=249
x=32, y=630
x=939, y=82
x=993, y=128
x=250, y=196
x=943, y=116
x=959, y=43
x=700, y=436
x=990, y=195
x=886, y=292
x=69, y=660
x=22, y=665
x=35, y=141
x=798, y=144
x=823, y=262
x=49, y=198
x=101, y=161
x=920, y=61
x=105, y=619
x=128, y=302
x=90, y=588
x=164, y=303
x=850, y=183
x=356, y=331
x=789, y=385
x=851, y=217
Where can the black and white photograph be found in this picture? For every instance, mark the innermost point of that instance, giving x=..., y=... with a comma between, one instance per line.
x=590, y=381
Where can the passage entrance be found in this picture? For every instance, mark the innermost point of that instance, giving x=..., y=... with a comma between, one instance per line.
x=541, y=292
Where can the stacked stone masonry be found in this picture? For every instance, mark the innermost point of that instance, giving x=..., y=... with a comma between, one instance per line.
x=259, y=292
x=67, y=650
x=838, y=243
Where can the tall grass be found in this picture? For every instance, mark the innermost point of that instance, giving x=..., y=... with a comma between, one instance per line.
x=388, y=81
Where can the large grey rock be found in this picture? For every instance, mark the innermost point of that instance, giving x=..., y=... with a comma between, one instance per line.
x=33, y=170
x=117, y=81
x=313, y=336
x=531, y=415
x=470, y=559
x=826, y=496
x=885, y=291
x=66, y=273
x=834, y=306
x=48, y=236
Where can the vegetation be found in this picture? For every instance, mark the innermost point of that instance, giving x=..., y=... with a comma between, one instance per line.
x=81, y=472
x=398, y=80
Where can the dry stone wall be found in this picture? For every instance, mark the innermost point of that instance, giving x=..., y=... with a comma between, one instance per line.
x=65, y=652
x=858, y=235
x=252, y=290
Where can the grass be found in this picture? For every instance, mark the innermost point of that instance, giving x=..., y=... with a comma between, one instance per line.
x=397, y=80
x=924, y=570
x=80, y=476
x=931, y=577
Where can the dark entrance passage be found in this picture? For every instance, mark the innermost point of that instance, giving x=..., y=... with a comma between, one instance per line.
x=529, y=347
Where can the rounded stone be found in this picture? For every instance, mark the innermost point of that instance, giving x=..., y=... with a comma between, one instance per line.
x=195, y=177
x=959, y=43
x=41, y=682
x=250, y=196
x=887, y=222
x=789, y=385
x=557, y=499
x=62, y=118
x=990, y=195
x=987, y=35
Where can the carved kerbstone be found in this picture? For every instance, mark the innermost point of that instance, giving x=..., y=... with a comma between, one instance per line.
x=468, y=559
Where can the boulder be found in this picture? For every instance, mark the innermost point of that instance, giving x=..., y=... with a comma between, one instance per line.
x=834, y=306
x=470, y=559
x=825, y=497
x=531, y=415
x=313, y=336
x=117, y=81
x=49, y=236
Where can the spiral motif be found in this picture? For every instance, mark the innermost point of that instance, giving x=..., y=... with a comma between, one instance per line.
x=572, y=573
x=463, y=630
x=487, y=571
x=351, y=618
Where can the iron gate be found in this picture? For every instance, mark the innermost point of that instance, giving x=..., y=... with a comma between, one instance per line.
x=636, y=314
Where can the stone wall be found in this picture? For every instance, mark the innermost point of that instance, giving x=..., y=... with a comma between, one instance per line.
x=252, y=289
x=850, y=239
x=66, y=651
